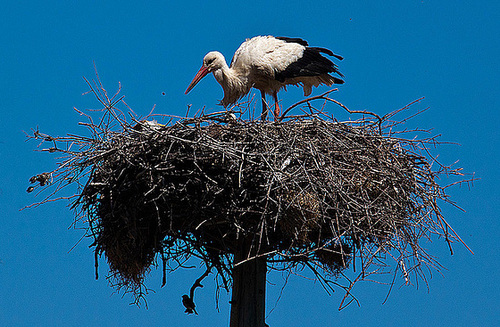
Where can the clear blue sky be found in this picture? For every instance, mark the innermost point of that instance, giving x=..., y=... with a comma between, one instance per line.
x=395, y=52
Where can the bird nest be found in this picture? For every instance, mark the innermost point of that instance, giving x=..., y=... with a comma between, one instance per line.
x=308, y=191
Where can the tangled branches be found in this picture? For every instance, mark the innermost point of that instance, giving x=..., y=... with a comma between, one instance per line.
x=308, y=191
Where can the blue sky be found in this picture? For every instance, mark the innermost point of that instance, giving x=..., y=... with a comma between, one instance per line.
x=395, y=52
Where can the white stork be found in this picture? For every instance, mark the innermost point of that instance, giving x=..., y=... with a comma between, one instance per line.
x=268, y=64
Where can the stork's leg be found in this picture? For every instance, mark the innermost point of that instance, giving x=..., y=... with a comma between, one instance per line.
x=276, y=106
x=264, y=106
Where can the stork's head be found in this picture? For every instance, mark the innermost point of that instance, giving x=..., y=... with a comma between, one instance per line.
x=211, y=62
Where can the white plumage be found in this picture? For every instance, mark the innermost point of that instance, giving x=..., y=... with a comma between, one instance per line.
x=268, y=64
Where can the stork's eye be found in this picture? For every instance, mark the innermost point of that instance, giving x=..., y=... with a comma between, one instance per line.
x=209, y=61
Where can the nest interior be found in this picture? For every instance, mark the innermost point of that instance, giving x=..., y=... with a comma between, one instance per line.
x=302, y=190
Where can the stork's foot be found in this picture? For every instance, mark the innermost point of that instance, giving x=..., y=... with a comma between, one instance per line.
x=277, y=113
x=276, y=107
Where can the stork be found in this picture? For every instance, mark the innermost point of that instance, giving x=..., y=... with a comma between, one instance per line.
x=269, y=64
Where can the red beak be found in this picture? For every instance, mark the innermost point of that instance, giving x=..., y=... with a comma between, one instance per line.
x=199, y=75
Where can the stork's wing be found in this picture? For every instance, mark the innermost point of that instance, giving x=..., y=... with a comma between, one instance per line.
x=282, y=58
x=267, y=54
x=240, y=52
x=293, y=40
x=304, y=43
x=311, y=63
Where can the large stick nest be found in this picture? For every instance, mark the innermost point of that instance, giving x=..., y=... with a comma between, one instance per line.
x=308, y=190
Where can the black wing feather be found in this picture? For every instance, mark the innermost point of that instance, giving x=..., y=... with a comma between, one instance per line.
x=293, y=40
x=312, y=63
x=304, y=43
x=328, y=52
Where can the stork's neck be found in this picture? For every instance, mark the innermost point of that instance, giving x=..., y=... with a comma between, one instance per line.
x=224, y=74
x=233, y=82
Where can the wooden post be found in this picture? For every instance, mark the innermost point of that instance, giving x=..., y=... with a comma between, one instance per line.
x=248, y=302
